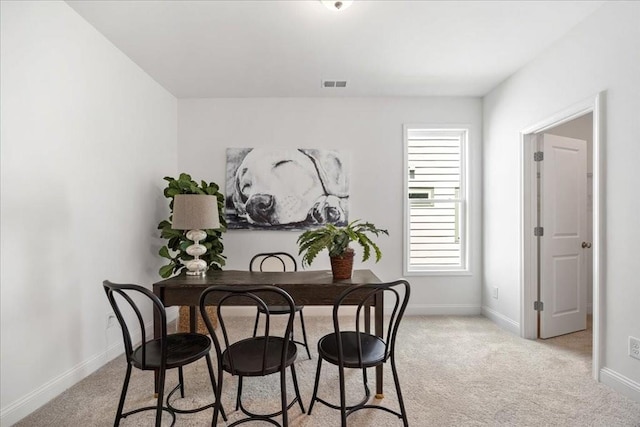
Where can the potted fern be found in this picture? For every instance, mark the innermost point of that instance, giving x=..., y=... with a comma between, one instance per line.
x=336, y=240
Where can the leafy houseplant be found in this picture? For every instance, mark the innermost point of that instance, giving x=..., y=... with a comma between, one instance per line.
x=175, y=249
x=336, y=240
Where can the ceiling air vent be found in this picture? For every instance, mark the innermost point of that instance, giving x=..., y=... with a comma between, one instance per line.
x=334, y=83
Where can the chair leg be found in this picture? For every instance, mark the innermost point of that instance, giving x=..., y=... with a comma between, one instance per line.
x=213, y=385
x=343, y=398
x=255, y=326
x=283, y=397
x=123, y=395
x=315, y=386
x=217, y=407
x=367, y=392
x=181, y=381
x=304, y=335
x=405, y=422
x=161, y=379
x=239, y=396
x=295, y=386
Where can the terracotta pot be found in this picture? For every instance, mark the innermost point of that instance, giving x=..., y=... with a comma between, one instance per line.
x=342, y=265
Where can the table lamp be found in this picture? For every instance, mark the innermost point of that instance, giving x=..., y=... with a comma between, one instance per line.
x=195, y=212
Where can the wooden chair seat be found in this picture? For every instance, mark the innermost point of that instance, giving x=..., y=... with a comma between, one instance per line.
x=373, y=349
x=248, y=354
x=182, y=349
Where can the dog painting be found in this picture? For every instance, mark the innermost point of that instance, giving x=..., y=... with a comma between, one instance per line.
x=285, y=189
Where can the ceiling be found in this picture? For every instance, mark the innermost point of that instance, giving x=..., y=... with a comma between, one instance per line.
x=262, y=48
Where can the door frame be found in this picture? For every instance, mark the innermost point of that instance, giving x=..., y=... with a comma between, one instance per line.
x=529, y=219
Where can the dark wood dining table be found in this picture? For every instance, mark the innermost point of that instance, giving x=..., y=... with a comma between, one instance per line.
x=306, y=288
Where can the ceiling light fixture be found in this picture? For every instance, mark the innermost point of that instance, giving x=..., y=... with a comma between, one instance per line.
x=336, y=5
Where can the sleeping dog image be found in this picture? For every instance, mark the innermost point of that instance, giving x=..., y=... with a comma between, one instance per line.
x=298, y=187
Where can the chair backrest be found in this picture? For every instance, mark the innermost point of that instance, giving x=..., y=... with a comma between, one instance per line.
x=273, y=261
x=121, y=297
x=260, y=296
x=397, y=293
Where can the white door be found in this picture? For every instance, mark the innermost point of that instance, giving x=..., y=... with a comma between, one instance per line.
x=563, y=216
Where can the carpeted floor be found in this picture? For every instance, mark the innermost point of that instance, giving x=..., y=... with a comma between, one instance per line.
x=454, y=371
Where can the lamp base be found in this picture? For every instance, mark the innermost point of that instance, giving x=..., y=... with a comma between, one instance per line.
x=196, y=266
x=197, y=273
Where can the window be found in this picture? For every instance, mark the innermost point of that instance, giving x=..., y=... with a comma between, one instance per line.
x=435, y=201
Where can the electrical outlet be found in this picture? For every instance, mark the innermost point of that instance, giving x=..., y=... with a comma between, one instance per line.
x=494, y=292
x=634, y=347
x=111, y=320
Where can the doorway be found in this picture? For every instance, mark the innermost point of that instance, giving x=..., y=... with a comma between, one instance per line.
x=586, y=115
x=563, y=243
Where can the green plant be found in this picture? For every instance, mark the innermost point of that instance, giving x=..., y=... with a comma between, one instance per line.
x=175, y=249
x=336, y=240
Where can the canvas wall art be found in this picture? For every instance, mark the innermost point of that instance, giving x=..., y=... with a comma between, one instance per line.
x=286, y=189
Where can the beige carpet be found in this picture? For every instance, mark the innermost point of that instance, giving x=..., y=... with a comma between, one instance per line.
x=455, y=371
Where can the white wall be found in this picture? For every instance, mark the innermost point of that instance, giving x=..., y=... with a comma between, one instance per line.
x=86, y=139
x=600, y=54
x=370, y=131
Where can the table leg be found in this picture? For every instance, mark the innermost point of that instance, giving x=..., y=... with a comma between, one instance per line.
x=379, y=330
x=192, y=319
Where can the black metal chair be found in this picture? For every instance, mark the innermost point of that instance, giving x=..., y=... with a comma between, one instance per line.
x=252, y=356
x=167, y=352
x=360, y=350
x=278, y=261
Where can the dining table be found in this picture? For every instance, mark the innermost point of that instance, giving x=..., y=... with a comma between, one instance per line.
x=309, y=287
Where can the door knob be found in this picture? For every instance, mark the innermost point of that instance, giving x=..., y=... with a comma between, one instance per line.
x=586, y=244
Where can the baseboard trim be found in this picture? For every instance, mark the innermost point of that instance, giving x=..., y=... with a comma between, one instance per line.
x=49, y=390
x=443, y=310
x=501, y=320
x=30, y=402
x=412, y=310
x=620, y=383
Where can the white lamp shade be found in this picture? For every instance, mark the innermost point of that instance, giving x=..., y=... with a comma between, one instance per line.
x=195, y=212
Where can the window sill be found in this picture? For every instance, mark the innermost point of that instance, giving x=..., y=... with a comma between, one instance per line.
x=438, y=273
